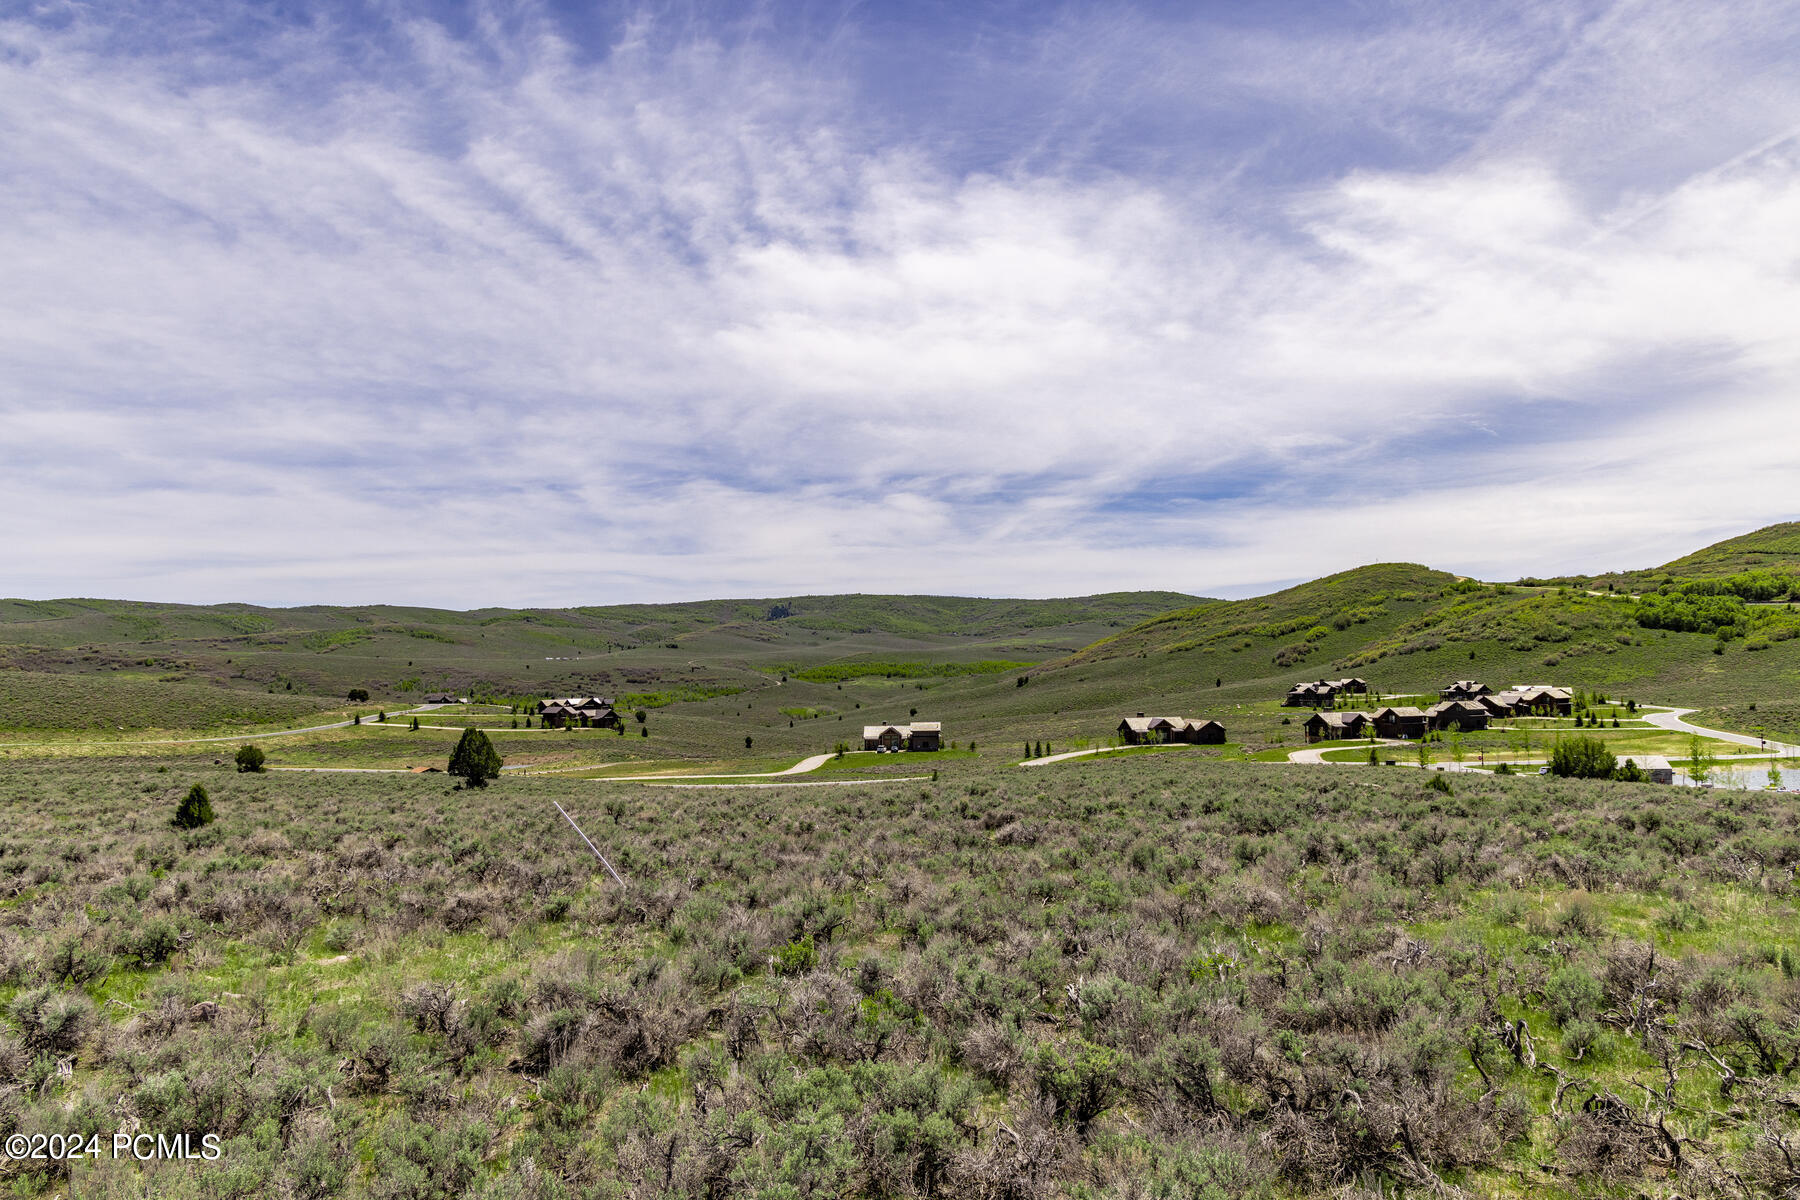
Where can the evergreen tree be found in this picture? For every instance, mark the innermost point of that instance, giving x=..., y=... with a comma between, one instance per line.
x=474, y=760
x=195, y=810
x=249, y=759
x=415, y=723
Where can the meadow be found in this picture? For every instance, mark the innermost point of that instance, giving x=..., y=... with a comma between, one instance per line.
x=1158, y=975
x=1163, y=972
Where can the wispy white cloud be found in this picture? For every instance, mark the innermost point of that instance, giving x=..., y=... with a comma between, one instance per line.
x=498, y=315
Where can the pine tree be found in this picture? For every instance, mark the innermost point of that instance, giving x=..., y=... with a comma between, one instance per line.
x=249, y=759
x=195, y=810
x=474, y=760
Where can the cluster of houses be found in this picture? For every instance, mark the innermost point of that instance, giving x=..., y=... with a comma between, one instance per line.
x=1465, y=705
x=586, y=712
x=1324, y=693
x=920, y=735
x=1140, y=729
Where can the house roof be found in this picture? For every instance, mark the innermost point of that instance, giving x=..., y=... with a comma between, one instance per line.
x=927, y=727
x=875, y=731
x=1407, y=711
x=1651, y=762
x=1340, y=718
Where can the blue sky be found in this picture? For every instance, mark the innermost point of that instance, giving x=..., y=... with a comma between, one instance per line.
x=511, y=303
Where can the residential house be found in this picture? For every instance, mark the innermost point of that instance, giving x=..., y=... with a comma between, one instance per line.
x=583, y=711
x=1311, y=695
x=1141, y=728
x=920, y=735
x=1352, y=686
x=1333, y=726
x=1544, y=701
x=884, y=737
x=1403, y=722
x=1465, y=689
x=1457, y=714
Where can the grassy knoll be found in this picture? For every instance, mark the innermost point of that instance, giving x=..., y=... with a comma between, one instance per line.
x=1171, y=976
x=43, y=701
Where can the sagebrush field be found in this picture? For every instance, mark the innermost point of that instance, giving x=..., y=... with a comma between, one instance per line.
x=1137, y=977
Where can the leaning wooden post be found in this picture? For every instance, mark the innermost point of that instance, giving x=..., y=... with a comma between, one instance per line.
x=590, y=842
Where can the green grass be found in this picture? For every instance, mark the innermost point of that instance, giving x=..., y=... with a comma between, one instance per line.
x=36, y=700
x=838, y=672
x=1173, y=941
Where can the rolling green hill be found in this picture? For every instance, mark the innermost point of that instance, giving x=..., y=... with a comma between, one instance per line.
x=1708, y=629
x=124, y=651
x=796, y=674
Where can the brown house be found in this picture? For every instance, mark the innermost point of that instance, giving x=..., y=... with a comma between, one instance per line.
x=1407, y=722
x=1333, y=726
x=920, y=735
x=1351, y=686
x=579, y=711
x=1465, y=689
x=1458, y=714
x=1320, y=694
x=1138, y=729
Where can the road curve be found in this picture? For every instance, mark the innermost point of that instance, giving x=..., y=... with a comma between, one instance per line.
x=1316, y=754
x=1065, y=756
x=1671, y=719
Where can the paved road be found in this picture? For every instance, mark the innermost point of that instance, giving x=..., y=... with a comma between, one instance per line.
x=1315, y=754
x=799, y=768
x=808, y=783
x=1671, y=719
x=1055, y=758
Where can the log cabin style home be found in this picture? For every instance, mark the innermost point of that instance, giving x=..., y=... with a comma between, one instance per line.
x=1401, y=722
x=584, y=712
x=1460, y=715
x=1311, y=695
x=1334, y=726
x=1465, y=689
x=1536, y=700
x=920, y=735
x=1180, y=730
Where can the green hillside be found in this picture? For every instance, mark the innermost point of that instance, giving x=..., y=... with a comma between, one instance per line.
x=1713, y=628
x=133, y=657
x=799, y=674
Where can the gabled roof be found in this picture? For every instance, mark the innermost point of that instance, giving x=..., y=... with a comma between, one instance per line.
x=875, y=731
x=1649, y=762
x=1139, y=724
x=1406, y=711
